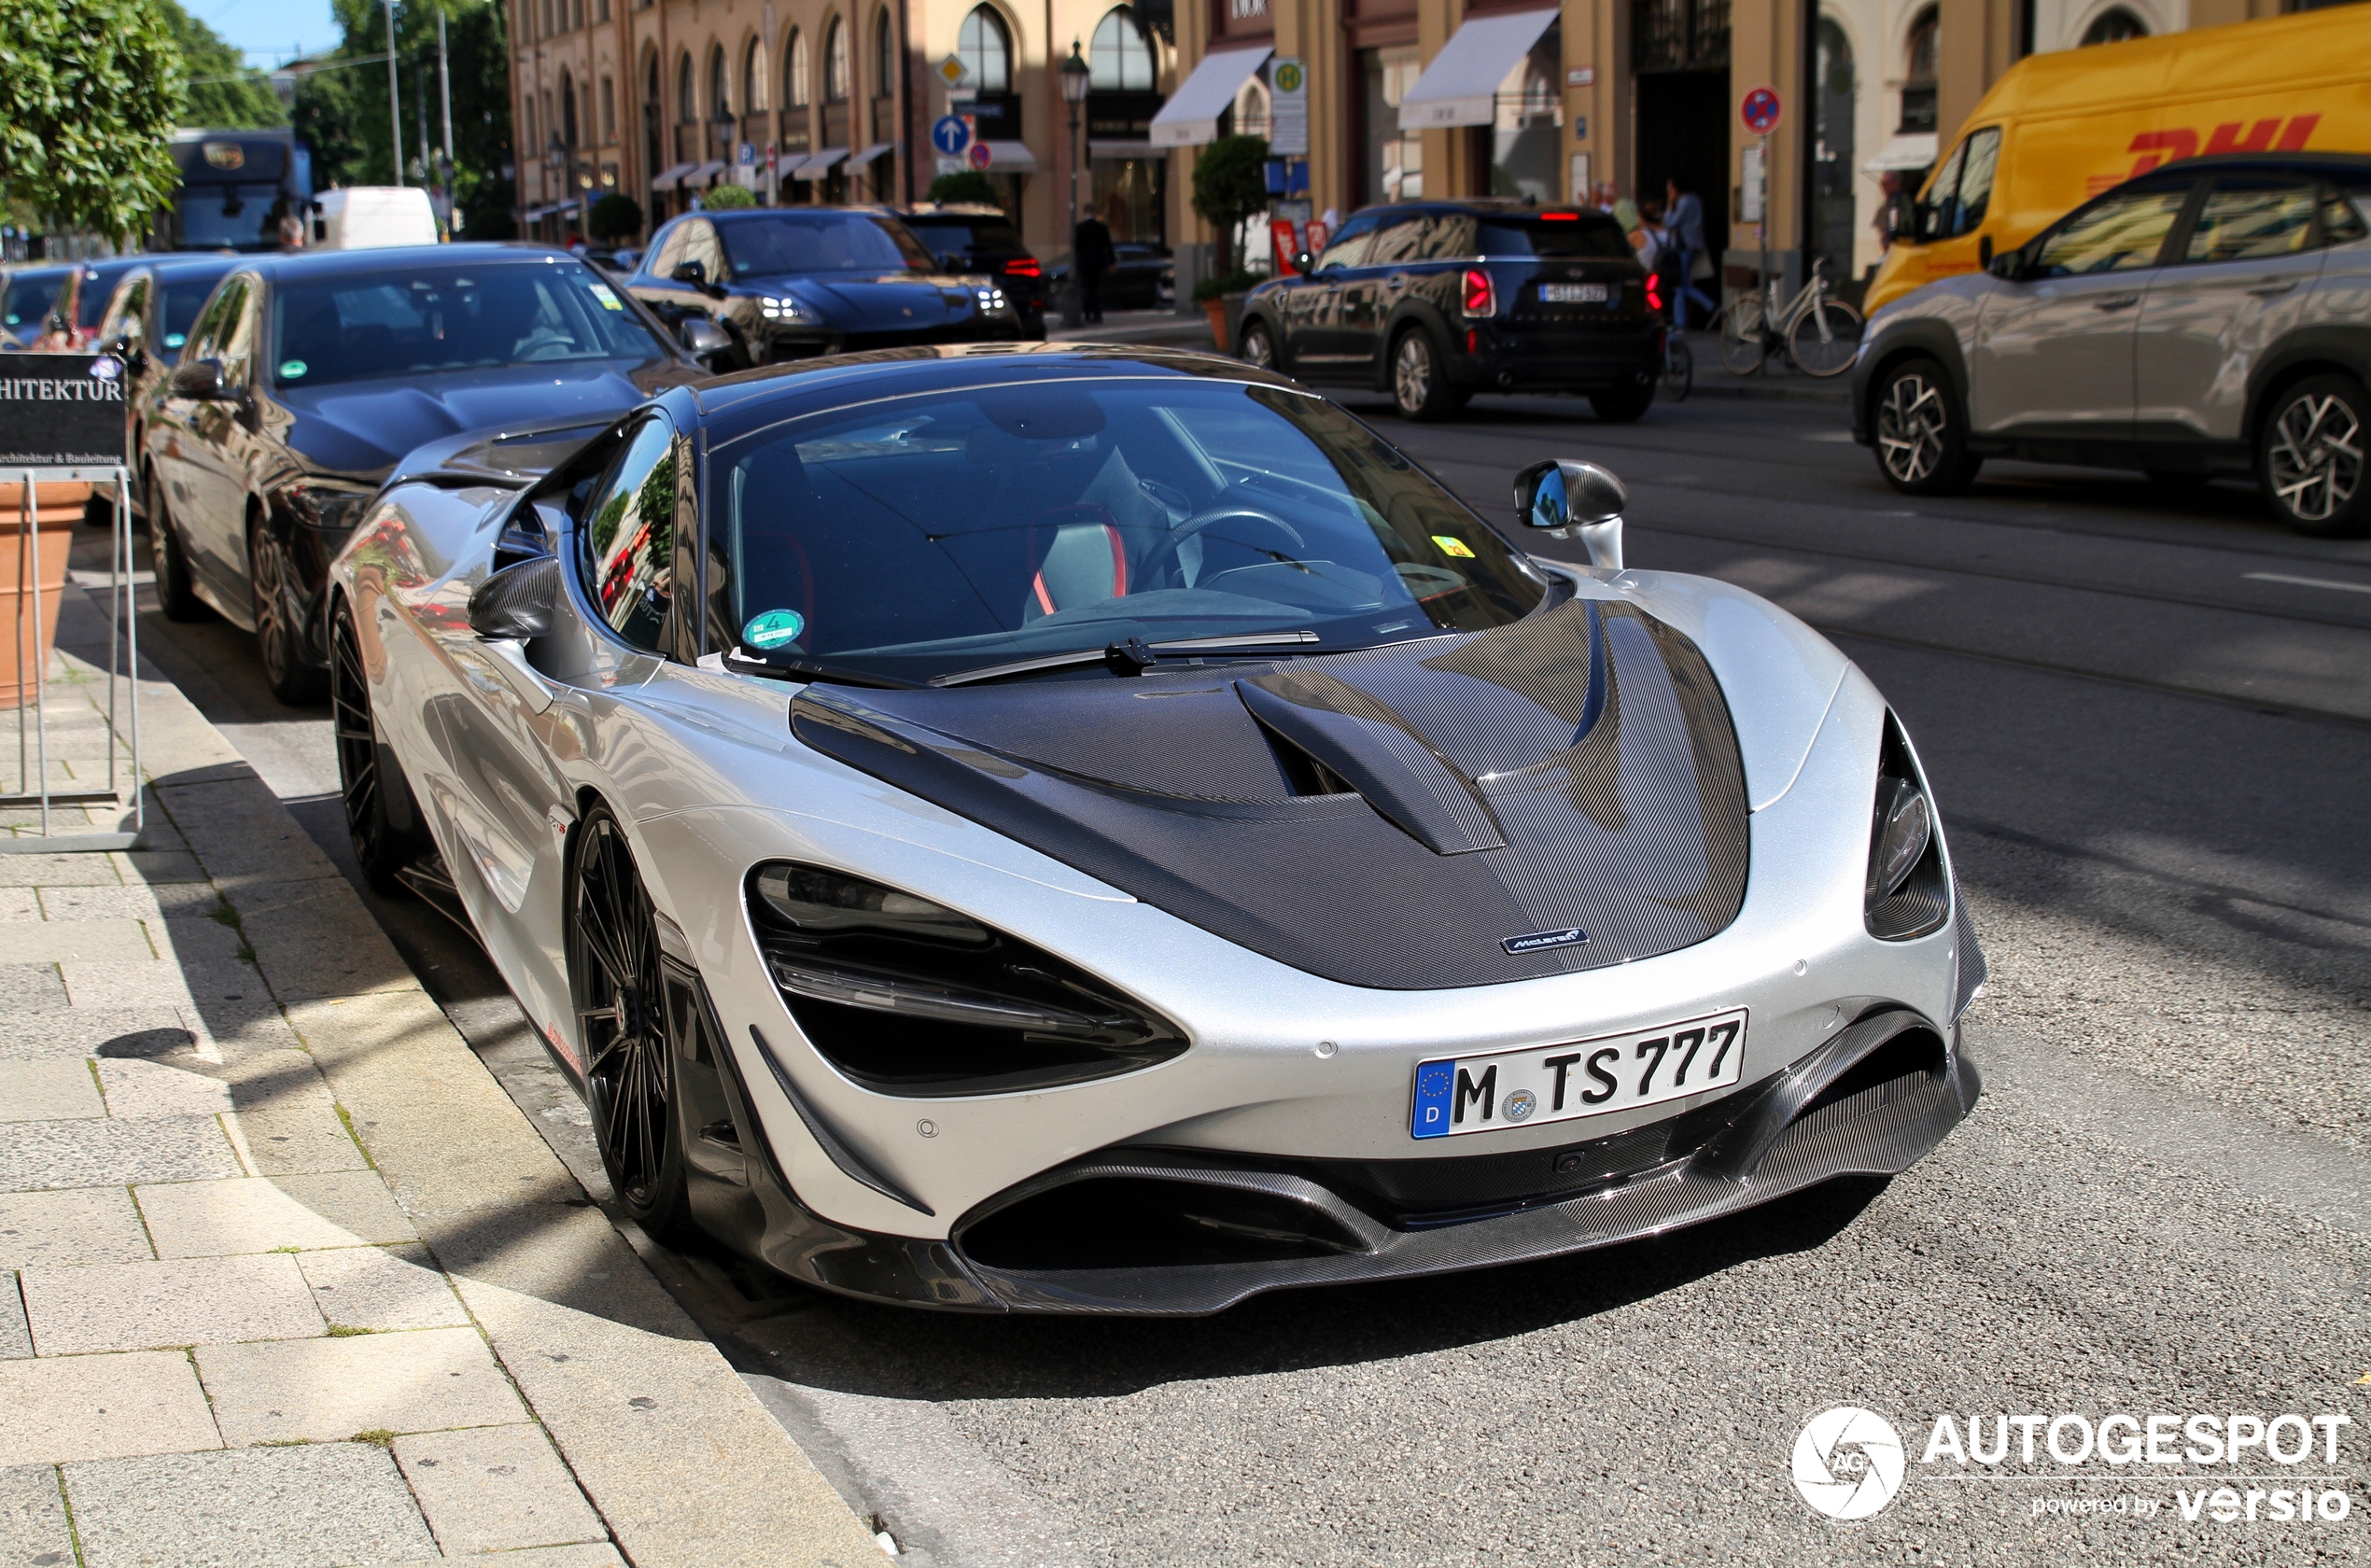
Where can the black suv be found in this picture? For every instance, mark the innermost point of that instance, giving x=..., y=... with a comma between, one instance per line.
x=966, y=237
x=1436, y=300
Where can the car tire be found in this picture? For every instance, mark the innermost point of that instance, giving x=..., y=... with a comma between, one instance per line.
x=1624, y=405
x=293, y=679
x=616, y=988
x=1920, y=430
x=381, y=817
x=1420, y=387
x=177, y=594
x=2310, y=447
x=1258, y=347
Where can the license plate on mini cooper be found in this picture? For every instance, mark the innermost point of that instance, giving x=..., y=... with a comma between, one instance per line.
x=1572, y=293
x=1506, y=1089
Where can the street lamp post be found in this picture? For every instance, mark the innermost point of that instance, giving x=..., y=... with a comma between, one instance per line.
x=1075, y=80
x=395, y=100
x=555, y=162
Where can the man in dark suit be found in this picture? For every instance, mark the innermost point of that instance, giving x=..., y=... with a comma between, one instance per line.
x=1091, y=256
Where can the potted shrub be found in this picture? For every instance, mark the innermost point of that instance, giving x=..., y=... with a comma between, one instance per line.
x=1231, y=185
x=1222, y=300
x=30, y=631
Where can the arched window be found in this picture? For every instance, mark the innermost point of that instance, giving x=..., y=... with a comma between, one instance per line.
x=798, y=87
x=884, y=57
x=719, y=84
x=987, y=49
x=753, y=77
x=1918, y=74
x=567, y=108
x=2114, y=27
x=835, y=64
x=1120, y=59
x=687, y=95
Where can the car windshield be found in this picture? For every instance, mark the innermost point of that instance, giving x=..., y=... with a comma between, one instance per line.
x=185, y=294
x=30, y=296
x=212, y=216
x=819, y=243
x=429, y=320
x=944, y=533
x=98, y=286
x=1579, y=234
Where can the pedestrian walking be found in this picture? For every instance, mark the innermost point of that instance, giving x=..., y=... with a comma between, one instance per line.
x=1685, y=214
x=1091, y=256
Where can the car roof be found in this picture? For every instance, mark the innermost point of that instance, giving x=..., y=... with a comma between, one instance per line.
x=742, y=215
x=754, y=398
x=1485, y=206
x=340, y=263
x=2344, y=168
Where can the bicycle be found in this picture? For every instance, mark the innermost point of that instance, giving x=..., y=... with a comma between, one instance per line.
x=1821, y=334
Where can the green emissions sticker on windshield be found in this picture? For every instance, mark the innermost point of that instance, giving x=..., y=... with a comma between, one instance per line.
x=608, y=299
x=773, y=629
x=292, y=368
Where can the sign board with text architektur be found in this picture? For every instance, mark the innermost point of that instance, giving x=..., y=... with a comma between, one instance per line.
x=61, y=410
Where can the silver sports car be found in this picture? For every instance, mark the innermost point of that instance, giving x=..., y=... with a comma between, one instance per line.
x=1083, y=830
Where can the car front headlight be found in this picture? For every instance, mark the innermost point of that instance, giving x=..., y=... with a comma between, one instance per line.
x=1905, y=893
x=909, y=997
x=992, y=300
x=781, y=307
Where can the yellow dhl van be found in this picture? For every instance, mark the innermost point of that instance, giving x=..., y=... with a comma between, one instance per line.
x=2058, y=128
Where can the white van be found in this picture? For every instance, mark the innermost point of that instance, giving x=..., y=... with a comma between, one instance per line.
x=370, y=217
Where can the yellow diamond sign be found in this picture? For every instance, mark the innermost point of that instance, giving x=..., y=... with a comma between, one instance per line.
x=952, y=71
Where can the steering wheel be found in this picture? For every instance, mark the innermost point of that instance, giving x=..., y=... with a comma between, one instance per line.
x=1228, y=513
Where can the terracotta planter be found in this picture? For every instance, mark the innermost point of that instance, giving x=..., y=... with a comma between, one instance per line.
x=1217, y=311
x=26, y=637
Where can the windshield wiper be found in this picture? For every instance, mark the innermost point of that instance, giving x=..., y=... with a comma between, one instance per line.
x=1133, y=656
x=808, y=669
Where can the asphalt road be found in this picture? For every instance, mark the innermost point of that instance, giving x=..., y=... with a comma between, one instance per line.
x=2146, y=714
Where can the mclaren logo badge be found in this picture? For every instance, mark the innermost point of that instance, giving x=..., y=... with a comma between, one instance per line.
x=1568, y=937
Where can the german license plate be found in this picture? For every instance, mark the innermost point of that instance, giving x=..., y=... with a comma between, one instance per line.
x=1458, y=1094
x=1572, y=293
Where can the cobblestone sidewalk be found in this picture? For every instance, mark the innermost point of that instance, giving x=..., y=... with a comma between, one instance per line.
x=291, y=1281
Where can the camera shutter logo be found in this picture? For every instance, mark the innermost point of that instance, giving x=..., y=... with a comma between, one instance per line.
x=1848, y=1463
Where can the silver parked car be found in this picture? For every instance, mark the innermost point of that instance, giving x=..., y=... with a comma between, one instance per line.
x=1064, y=828
x=2210, y=317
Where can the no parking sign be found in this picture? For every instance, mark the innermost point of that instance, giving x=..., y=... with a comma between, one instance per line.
x=1760, y=110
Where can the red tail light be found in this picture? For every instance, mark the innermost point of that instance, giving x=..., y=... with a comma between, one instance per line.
x=1481, y=297
x=1025, y=267
x=1654, y=293
x=1561, y=218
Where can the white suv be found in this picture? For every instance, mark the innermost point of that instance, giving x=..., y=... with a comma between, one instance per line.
x=2212, y=317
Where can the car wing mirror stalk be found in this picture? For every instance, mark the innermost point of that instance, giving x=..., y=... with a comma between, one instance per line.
x=1563, y=497
x=705, y=338
x=517, y=603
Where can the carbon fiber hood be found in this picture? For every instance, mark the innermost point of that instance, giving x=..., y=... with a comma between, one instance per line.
x=1404, y=818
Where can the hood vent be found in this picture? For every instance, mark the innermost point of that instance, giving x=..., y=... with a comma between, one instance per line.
x=1407, y=783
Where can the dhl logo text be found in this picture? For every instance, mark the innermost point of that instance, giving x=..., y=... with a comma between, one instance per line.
x=2156, y=148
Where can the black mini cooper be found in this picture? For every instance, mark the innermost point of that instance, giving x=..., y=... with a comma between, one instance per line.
x=1436, y=300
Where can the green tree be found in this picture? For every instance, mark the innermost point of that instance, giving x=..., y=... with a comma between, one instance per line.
x=1230, y=183
x=966, y=184
x=614, y=218
x=342, y=108
x=90, y=92
x=224, y=94
x=721, y=197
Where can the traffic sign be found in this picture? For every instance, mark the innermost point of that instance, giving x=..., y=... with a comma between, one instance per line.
x=953, y=71
x=982, y=155
x=1760, y=110
x=951, y=134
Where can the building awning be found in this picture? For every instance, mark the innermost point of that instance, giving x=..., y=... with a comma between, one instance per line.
x=1912, y=151
x=534, y=215
x=704, y=172
x=1461, y=85
x=1100, y=150
x=820, y=164
x=664, y=179
x=1010, y=158
x=858, y=160
x=1191, y=117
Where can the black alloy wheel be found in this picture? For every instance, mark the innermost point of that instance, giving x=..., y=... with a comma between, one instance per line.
x=380, y=816
x=294, y=680
x=1419, y=386
x=177, y=595
x=1258, y=348
x=2309, y=456
x=1921, y=435
x=621, y=1008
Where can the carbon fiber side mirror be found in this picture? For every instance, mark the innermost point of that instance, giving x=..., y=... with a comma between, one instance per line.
x=517, y=602
x=1560, y=495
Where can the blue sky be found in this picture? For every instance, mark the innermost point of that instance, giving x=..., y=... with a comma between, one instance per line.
x=270, y=31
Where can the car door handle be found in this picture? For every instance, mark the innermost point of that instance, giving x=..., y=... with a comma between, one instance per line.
x=2121, y=302
x=2265, y=290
